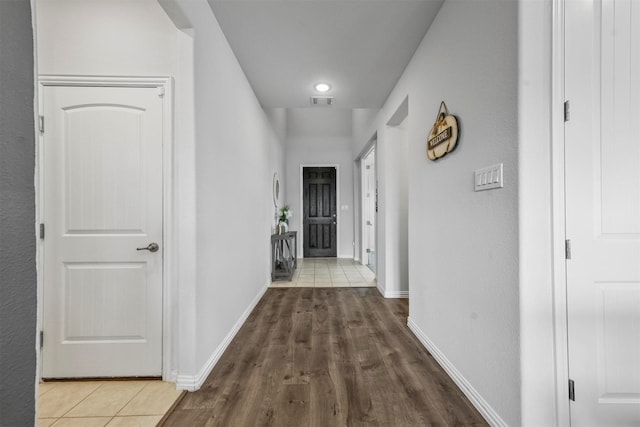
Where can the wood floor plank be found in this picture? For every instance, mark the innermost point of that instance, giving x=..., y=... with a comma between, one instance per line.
x=326, y=357
x=324, y=392
x=435, y=381
x=358, y=405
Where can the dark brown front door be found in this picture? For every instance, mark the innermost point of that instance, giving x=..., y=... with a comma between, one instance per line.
x=319, y=222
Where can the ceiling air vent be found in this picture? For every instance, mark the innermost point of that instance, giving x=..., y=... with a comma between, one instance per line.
x=321, y=100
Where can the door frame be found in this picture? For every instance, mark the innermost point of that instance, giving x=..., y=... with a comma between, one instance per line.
x=359, y=250
x=371, y=148
x=165, y=90
x=558, y=194
x=338, y=207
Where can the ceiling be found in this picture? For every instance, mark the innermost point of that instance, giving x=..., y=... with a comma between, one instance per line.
x=360, y=47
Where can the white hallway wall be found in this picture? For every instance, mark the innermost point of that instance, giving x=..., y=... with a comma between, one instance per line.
x=463, y=246
x=237, y=152
x=98, y=37
x=393, y=210
x=321, y=136
x=225, y=152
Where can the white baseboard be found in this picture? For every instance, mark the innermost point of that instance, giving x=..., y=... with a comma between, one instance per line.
x=396, y=294
x=489, y=414
x=194, y=382
x=391, y=294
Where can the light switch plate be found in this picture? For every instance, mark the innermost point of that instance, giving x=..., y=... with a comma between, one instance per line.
x=489, y=178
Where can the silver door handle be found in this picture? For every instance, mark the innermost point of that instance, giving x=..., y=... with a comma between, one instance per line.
x=153, y=247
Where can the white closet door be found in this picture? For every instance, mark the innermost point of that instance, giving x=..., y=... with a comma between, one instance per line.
x=103, y=200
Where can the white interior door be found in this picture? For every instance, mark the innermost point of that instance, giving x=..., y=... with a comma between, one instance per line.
x=369, y=196
x=102, y=150
x=603, y=210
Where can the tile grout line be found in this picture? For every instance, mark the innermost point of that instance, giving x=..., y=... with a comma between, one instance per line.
x=129, y=401
x=45, y=392
x=108, y=419
x=81, y=400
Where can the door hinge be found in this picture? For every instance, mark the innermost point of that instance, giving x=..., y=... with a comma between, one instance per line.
x=41, y=123
x=572, y=391
x=567, y=112
x=41, y=338
x=42, y=230
x=567, y=249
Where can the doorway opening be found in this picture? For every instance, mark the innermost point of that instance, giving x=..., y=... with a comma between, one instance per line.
x=106, y=248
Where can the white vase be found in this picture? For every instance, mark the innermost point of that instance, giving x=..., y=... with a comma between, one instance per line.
x=283, y=227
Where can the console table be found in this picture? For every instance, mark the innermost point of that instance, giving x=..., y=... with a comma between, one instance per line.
x=283, y=255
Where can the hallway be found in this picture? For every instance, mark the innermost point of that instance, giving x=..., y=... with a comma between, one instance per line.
x=494, y=298
x=326, y=357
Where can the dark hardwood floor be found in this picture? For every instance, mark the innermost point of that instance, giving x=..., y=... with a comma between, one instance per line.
x=326, y=357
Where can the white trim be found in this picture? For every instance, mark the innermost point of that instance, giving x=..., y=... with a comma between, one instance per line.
x=391, y=294
x=370, y=148
x=396, y=294
x=489, y=414
x=561, y=350
x=338, y=215
x=105, y=81
x=194, y=382
x=370, y=145
x=360, y=254
x=356, y=242
x=37, y=181
x=169, y=226
x=168, y=279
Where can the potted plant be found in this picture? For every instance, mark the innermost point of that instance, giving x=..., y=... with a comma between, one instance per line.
x=283, y=219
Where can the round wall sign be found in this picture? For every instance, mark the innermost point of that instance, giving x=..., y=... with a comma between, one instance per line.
x=444, y=134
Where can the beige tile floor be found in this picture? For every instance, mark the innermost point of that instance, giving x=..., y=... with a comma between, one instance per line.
x=329, y=273
x=105, y=403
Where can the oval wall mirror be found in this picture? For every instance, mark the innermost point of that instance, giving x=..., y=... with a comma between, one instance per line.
x=276, y=189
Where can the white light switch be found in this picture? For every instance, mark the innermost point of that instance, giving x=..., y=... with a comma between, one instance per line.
x=489, y=178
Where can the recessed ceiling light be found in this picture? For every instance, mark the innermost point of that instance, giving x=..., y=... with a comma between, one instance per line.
x=322, y=87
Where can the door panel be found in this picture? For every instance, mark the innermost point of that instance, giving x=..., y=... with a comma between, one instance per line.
x=320, y=216
x=102, y=200
x=602, y=179
x=101, y=287
x=105, y=190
